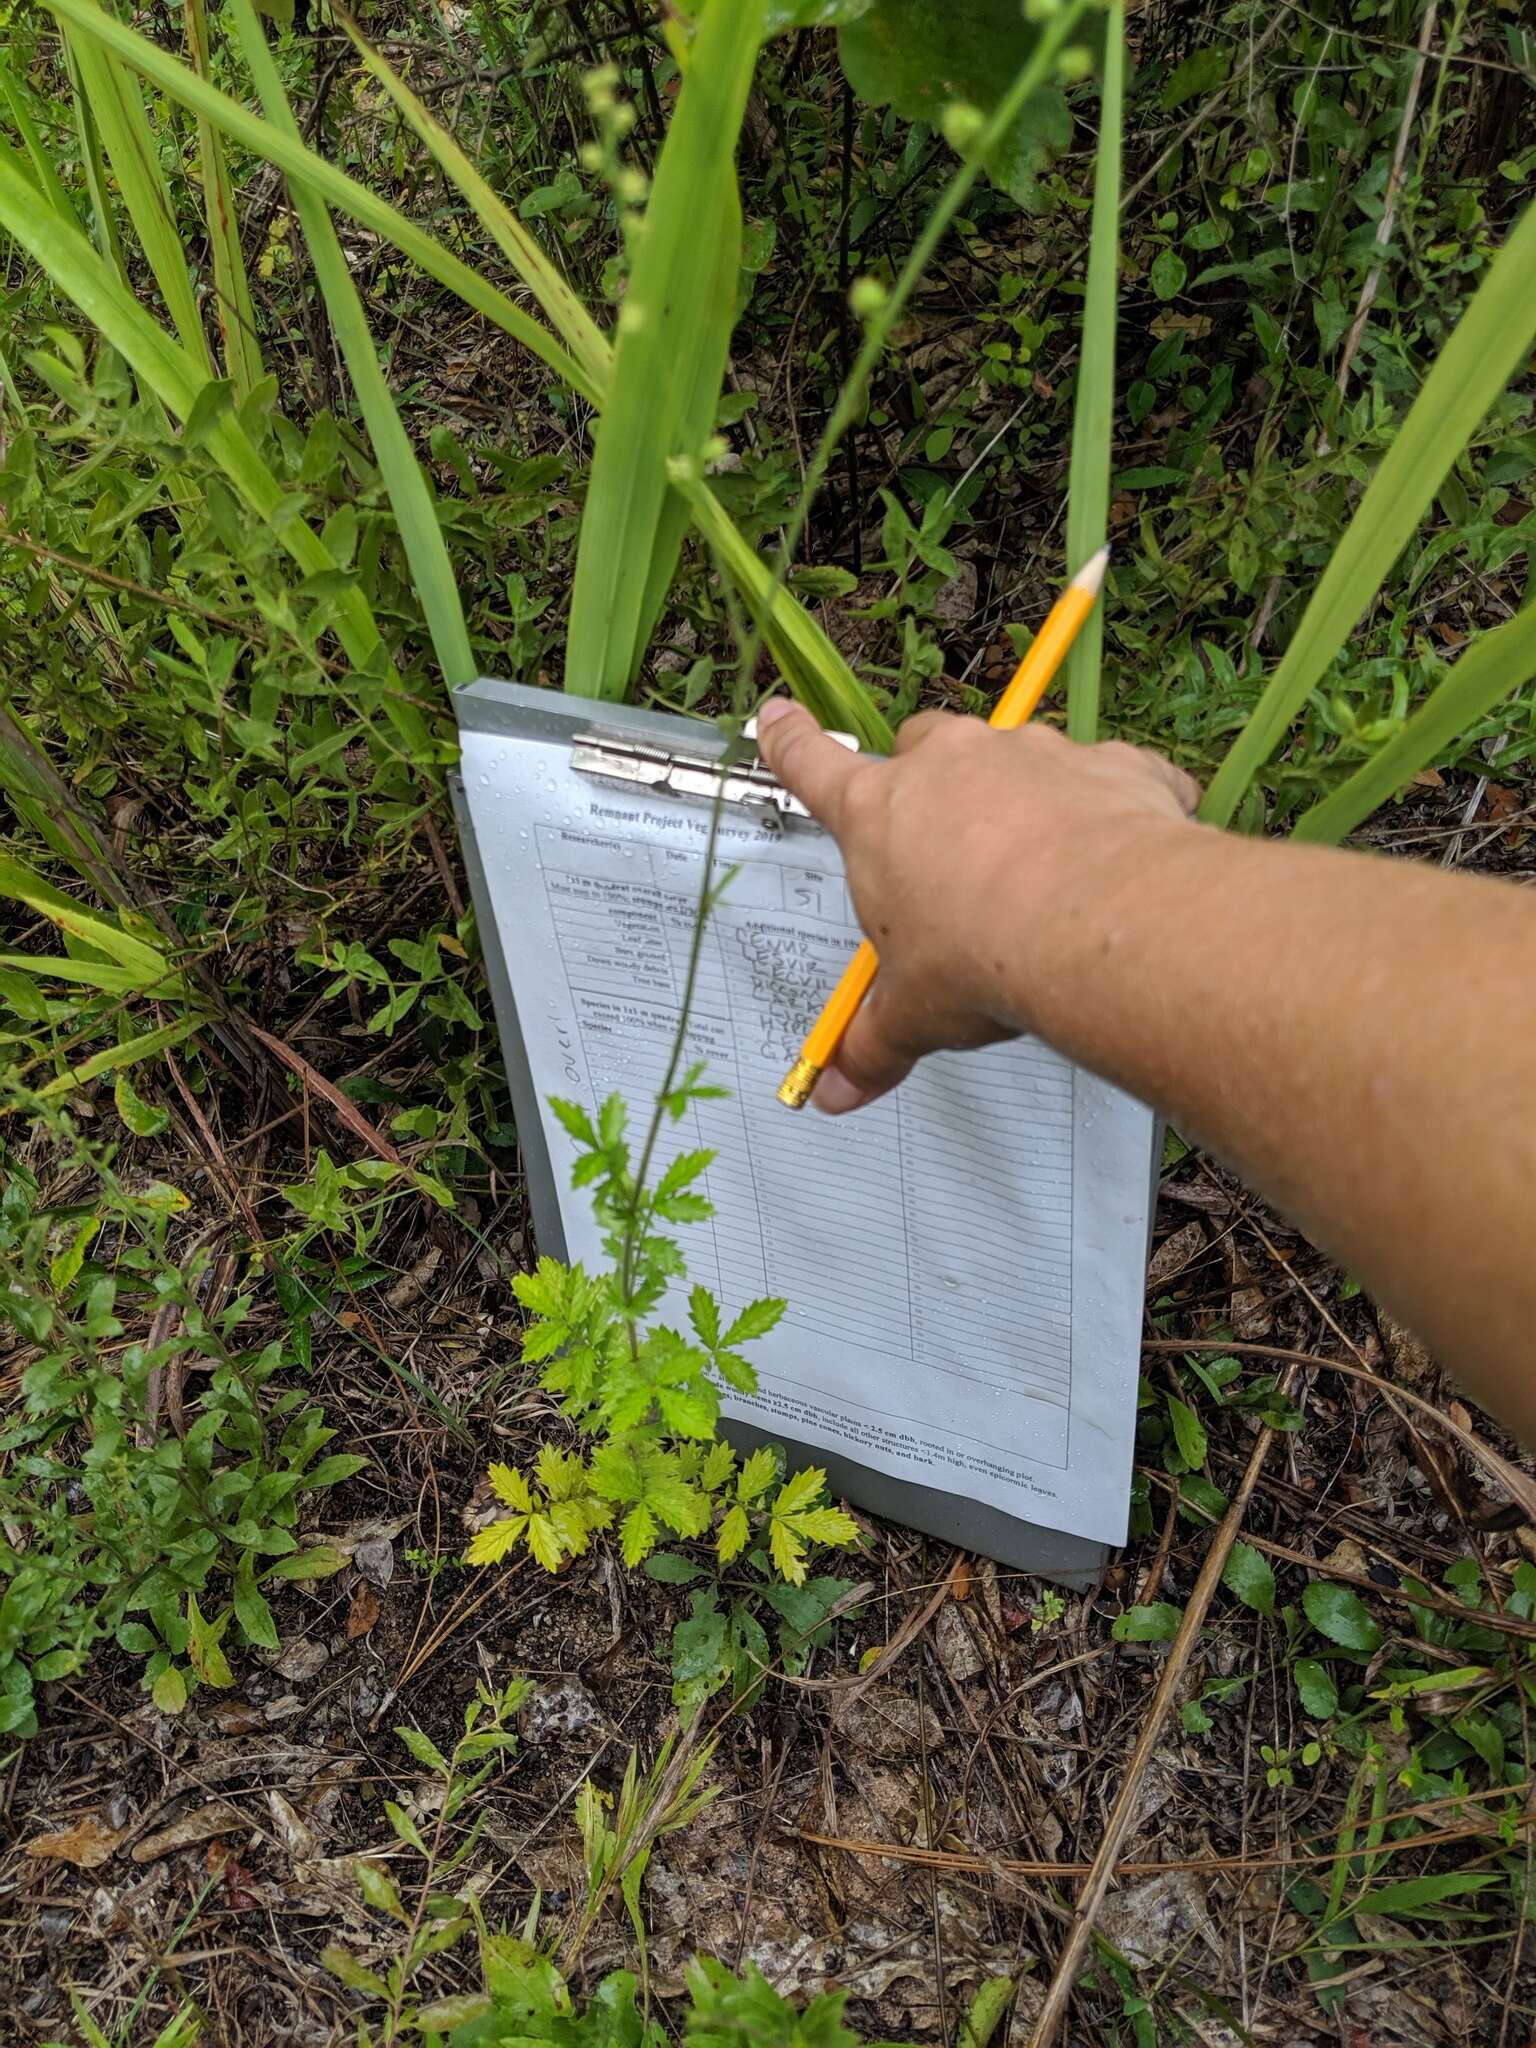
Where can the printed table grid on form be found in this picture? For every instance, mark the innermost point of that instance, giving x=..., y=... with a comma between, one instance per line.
x=807, y=1207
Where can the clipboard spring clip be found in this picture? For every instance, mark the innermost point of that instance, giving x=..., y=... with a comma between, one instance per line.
x=747, y=783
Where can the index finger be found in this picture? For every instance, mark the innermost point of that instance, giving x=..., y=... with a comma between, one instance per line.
x=810, y=765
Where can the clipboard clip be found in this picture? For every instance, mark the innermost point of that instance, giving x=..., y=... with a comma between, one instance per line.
x=747, y=783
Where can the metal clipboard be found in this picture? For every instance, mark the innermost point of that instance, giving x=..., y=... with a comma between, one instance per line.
x=678, y=760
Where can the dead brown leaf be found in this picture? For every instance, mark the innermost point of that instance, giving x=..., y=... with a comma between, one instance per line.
x=365, y=1611
x=197, y=1826
x=88, y=1842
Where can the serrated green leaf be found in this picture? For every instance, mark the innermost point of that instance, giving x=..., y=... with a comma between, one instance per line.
x=757, y=1474
x=787, y=1551
x=756, y=1320
x=496, y=1540
x=704, y=1314
x=637, y=1534
x=544, y=1542
x=800, y=1491
x=734, y=1531
x=579, y=1126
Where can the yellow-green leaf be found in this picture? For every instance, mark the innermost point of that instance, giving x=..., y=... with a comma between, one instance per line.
x=544, y=1542
x=492, y=1543
x=734, y=1531
x=787, y=1552
x=509, y=1485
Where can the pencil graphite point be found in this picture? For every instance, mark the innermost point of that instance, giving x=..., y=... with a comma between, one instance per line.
x=1091, y=575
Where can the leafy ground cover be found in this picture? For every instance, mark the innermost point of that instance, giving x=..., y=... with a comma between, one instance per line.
x=261, y=1214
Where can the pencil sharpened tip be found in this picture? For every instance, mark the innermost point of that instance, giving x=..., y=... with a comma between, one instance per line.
x=1091, y=575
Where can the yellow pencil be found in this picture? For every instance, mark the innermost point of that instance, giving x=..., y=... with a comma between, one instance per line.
x=1031, y=680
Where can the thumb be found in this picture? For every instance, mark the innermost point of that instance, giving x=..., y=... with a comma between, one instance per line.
x=810, y=764
x=869, y=1063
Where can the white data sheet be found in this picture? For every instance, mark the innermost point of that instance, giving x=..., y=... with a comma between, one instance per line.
x=963, y=1260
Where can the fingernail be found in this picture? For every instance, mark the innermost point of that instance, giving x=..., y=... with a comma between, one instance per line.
x=774, y=709
x=836, y=1094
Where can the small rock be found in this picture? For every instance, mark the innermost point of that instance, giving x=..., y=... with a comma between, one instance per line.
x=53, y=1923
x=954, y=602
x=888, y=1723
x=299, y=1660
x=558, y=1712
x=375, y=1559
x=956, y=1645
x=1152, y=1920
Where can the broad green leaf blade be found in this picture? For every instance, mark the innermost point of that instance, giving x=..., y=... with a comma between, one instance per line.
x=409, y=493
x=814, y=670
x=124, y=128
x=1493, y=667
x=922, y=56
x=674, y=332
x=1093, y=417
x=562, y=308
x=299, y=162
x=231, y=286
x=1488, y=344
x=23, y=885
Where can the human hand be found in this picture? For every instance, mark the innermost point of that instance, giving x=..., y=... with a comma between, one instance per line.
x=974, y=857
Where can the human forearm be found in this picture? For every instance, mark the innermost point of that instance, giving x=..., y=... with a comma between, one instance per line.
x=1356, y=1037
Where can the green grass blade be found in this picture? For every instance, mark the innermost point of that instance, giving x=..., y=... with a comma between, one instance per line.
x=674, y=333
x=1487, y=345
x=297, y=161
x=93, y=158
x=1496, y=665
x=132, y=1050
x=562, y=308
x=100, y=975
x=814, y=670
x=231, y=287
x=1093, y=418
x=65, y=255
x=125, y=133
x=25, y=886
x=409, y=493
x=16, y=93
